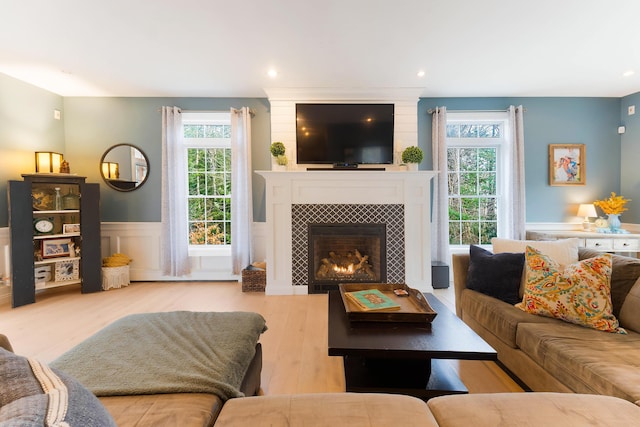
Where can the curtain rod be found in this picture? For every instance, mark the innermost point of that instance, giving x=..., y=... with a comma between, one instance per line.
x=251, y=112
x=432, y=110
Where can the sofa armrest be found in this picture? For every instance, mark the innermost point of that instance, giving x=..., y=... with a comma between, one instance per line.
x=460, y=264
x=4, y=343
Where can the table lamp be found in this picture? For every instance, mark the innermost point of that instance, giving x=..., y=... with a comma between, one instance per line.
x=587, y=210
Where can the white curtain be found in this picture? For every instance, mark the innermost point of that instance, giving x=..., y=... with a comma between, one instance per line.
x=241, y=200
x=175, y=243
x=515, y=194
x=440, y=217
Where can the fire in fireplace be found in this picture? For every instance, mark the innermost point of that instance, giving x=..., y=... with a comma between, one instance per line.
x=345, y=253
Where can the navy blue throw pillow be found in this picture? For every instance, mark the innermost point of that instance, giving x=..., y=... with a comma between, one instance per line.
x=496, y=275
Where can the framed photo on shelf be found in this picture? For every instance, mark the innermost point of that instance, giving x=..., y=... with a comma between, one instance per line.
x=70, y=228
x=67, y=270
x=567, y=164
x=56, y=248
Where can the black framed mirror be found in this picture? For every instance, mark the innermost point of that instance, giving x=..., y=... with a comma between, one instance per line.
x=124, y=167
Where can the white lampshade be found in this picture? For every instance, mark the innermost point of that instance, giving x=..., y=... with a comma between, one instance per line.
x=587, y=210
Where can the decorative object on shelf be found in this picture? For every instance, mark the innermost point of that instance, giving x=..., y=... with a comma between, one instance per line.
x=614, y=222
x=64, y=167
x=587, y=210
x=48, y=162
x=42, y=273
x=567, y=164
x=43, y=199
x=278, y=158
x=43, y=225
x=67, y=270
x=412, y=156
x=613, y=207
x=601, y=224
x=71, y=201
x=70, y=228
x=58, y=200
x=55, y=248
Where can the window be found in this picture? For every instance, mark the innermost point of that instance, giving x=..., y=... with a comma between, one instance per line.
x=475, y=165
x=207, y=139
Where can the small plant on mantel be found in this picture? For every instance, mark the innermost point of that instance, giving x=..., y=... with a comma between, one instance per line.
x=277, y=149
x=412, y=156
x=278, y=152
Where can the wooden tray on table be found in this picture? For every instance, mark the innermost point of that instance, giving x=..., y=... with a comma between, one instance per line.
x=414, y=308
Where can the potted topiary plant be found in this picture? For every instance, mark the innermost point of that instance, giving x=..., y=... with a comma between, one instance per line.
x=412, y=156
x=278, y=157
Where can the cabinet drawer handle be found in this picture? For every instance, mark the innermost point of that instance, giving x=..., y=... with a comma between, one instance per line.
x=597, y=244
x=625, y=244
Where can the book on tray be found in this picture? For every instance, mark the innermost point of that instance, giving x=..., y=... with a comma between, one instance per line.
x=372, y=299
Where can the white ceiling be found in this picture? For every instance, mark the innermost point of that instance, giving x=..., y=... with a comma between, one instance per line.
x=213, y=48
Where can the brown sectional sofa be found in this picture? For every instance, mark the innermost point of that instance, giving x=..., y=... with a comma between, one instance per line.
x=551, y=355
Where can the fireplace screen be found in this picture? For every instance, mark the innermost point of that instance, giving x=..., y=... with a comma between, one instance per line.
x=344, y=253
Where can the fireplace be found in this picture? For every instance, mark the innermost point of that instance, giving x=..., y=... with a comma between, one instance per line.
x=345, y=253
x=401, y=200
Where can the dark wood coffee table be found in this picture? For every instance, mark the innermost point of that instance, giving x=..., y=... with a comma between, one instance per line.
x=404, y=358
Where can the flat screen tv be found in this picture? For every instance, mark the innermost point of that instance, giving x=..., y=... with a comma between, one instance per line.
x=344, y=134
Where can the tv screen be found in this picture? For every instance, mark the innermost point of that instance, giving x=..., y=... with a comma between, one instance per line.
x=344, y=133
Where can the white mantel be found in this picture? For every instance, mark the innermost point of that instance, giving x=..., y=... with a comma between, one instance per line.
x=287, y=188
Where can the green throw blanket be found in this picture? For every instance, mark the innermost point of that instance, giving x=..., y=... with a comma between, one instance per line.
x=174, y=352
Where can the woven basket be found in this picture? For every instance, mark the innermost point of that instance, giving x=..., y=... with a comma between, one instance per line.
x=253, y=279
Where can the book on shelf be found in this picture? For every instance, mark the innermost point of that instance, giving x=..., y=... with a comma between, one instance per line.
x=371, y=300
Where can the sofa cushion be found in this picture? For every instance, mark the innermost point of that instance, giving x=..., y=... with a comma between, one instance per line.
x=624, y=274
x=32, y=394
x=580, y=294
x=164, y=410
x=532, y=409
x=326, y=410
x=499, y=317
x=630, y=312
x=496, y=275
x=563, y=251
x=585, y=360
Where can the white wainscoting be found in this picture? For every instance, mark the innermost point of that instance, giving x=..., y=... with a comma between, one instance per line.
x=142, y=242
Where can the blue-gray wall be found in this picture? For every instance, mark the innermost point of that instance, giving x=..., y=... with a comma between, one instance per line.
x=27, y=125
x=89, y=126
x=590, y=121
x=630, y=161
x=92, y=125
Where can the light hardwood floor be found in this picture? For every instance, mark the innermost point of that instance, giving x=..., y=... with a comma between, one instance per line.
x=295, y=356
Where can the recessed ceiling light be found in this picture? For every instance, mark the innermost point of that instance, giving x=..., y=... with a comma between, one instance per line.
x=628, y=73
x=421, y=73
x=273, y=73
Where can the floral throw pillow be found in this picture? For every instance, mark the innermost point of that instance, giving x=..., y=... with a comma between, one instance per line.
x=580, y=294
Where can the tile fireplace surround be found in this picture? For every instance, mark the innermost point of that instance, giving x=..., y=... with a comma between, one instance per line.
x=401, y=199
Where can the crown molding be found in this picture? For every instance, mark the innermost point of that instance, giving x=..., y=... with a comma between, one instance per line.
x=324, y=94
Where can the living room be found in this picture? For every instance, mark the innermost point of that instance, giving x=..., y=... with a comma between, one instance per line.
x=563, y=109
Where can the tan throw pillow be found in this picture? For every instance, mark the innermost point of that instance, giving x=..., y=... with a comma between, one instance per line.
x=580, y=294
x=563, y=251
x=630, y=311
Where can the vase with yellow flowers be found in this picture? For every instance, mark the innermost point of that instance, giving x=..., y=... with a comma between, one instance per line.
x=613, y=207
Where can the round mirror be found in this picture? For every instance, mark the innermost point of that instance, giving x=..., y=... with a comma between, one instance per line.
x=124, y=167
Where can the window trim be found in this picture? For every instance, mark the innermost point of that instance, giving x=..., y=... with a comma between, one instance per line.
x=206, y=118
x=503, y=148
